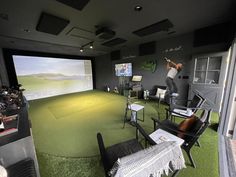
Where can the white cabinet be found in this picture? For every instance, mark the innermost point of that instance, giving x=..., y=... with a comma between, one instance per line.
x=208, y=78
x=207, y=70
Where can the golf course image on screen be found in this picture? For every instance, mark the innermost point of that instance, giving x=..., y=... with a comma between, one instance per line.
x=43, y=77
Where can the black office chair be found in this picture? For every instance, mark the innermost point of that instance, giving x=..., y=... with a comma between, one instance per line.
x=190, y=134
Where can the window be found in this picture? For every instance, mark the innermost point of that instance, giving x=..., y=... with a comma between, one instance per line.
x=207, y=70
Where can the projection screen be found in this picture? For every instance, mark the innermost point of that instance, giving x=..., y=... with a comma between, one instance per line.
x=43, y=77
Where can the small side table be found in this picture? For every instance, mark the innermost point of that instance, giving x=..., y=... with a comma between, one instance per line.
x=134, y=108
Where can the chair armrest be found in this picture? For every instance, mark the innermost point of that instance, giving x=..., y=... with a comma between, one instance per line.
x=171, y=112
x=153, y=97
x=179, y=106
x=161, y=125
x=147, y=138
x=155, y=122
x=156, y=119
x=184, y=107
x=136, y=102
x=182, y=132
x=183, y=100
x=185, y=116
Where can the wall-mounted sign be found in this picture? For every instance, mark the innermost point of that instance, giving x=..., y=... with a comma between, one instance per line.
x=150, y=65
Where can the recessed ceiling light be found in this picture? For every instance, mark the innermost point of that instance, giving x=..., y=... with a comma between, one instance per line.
x=81, y=49
x=138, y=8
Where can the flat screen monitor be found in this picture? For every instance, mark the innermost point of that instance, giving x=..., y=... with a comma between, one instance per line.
x=136, y=78
x=123, y=69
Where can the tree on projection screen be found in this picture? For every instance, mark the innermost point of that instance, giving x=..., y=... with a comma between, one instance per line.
x=45, y=77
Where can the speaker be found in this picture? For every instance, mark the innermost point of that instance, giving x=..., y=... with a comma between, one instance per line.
x=219, y=33
x=163, y=25
x=148, y=48
x=113, y=42
x=51, y=24
x=116, y=55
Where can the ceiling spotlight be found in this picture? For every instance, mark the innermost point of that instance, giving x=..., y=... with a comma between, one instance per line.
x=138, y=8
x=91, y=45
x=81, y=49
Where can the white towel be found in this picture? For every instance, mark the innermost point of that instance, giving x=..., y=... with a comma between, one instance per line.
x=153, y=161
x=2, y=126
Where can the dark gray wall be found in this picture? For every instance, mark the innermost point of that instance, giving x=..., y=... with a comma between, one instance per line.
x=105, y=72
x=3, y=72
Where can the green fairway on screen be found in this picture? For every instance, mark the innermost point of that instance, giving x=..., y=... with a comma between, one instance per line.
x=43, y=77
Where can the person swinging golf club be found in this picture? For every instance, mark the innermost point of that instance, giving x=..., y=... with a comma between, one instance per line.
x=173, y=70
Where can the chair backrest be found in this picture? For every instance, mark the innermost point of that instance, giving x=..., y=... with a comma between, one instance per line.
x=198, y=129
x=196, y=102
x=103, y=154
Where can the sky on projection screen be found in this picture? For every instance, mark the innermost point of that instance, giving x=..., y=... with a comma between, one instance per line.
x=45, y=76
x=26, y=65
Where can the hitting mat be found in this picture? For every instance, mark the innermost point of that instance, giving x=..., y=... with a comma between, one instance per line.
x=67, y=125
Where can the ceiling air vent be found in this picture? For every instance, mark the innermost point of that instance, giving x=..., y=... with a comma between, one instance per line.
x=51, y=24
x=76, y=4
x=105, y=33
x=163, y=25
x=114, y=42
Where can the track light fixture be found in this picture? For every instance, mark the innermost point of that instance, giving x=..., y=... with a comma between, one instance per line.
x=90, y=44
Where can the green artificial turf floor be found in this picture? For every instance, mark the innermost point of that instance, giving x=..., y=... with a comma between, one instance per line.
x=65, y=128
